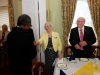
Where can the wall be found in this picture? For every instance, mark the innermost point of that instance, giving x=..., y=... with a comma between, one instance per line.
x=17, y=9
x=4, y=18
x=53, y=8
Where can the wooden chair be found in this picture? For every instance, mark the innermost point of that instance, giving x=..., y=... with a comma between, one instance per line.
x=95, y=48
x=39, y=69
x=68, y=50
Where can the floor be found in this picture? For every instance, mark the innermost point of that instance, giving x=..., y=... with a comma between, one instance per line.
x=5, y=71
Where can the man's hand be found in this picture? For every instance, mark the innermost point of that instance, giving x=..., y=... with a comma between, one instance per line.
x=77, y=46
x=83, y=43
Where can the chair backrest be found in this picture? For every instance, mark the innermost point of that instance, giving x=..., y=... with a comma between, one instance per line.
x=95, y=49
x=36, y=70
x=68, y=50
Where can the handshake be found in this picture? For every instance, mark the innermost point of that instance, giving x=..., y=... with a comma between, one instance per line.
x=36, y=42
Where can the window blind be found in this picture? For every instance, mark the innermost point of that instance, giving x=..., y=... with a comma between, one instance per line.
x=4, y=18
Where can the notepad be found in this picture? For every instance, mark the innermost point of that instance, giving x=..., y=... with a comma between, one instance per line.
x=83, y=59
x=62, y=65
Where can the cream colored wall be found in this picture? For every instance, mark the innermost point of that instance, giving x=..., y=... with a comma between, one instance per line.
x=17, y=9
x=54, y=14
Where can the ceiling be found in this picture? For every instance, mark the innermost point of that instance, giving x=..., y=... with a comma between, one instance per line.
x=3, y=2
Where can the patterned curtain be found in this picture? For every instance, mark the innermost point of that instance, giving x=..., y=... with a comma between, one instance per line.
x=94, y=6
x=11, y=13
x=68, y=10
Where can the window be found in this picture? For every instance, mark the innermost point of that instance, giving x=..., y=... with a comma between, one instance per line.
x=82, y=10
x=4, y=18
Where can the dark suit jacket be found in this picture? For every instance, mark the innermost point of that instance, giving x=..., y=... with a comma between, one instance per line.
x=89, y=37
x=20, y=44
x=21, y=50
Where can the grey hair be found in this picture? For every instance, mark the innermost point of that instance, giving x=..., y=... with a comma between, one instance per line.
x=49, y=23
x=82, y=18
x=5, y=26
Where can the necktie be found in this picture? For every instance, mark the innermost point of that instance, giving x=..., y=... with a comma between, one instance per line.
x=81, y=37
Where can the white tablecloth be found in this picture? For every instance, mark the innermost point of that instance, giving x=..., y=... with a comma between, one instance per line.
x=71, y=66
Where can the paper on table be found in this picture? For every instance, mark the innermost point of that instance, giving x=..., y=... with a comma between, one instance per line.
x=57, y=60
x=83, y=59
x=62, y=65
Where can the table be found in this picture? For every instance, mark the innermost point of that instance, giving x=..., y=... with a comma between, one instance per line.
x=72, y=67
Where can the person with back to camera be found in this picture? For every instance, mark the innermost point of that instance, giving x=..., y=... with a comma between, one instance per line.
x=21, y=48
x=82, y=38
x=51, y=45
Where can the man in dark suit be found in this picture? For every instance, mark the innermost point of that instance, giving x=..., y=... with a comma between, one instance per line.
x=21, y=49
x=82, y=38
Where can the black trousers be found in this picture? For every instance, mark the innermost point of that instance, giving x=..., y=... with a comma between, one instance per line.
x=83, y=53
x=50, y=56
x=21, y=68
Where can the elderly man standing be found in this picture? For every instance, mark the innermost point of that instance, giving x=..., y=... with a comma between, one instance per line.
x=82, y=38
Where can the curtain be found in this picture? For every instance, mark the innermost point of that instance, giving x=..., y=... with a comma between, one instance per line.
x=68, y=10
x=94, y=6
x=11, y=13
